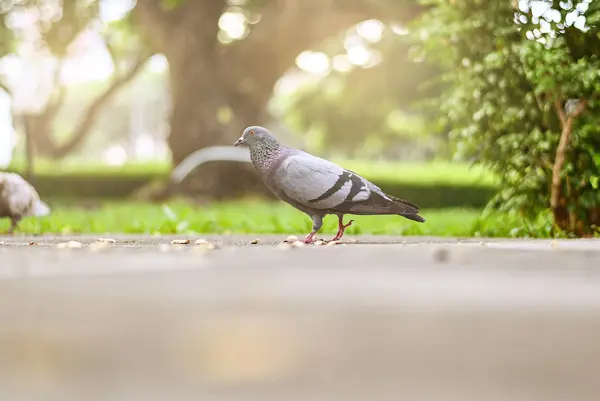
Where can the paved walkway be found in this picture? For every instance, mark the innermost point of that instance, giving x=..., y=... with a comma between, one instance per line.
x=382, y=319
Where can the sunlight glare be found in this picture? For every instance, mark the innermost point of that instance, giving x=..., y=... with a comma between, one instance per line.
x=571, y=18
x=545, y=26
x=538, y=8
x=399, y=30
x=341, y=63
x=553, y=15
x=234, y=24
x=316, y=63
x=158, y=63
x=580, y=23
x=115, y=156
x=93, y=65
x=145, y=147
x=11, y=67
x=114, y=10
x=370, y=30
x=7, y=134
x=359, y=55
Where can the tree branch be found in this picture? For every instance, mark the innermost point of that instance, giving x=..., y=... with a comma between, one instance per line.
x=539, y=101
x=5, y=88
x=58, y=97
x=560, y=111
x=87, y=121
x=154, y=22
x=580, y=108
x=38, y=129
x=112, y=53
x=561, y=150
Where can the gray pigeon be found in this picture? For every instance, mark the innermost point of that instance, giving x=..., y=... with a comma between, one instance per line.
x=19, y=199
x=317, y=186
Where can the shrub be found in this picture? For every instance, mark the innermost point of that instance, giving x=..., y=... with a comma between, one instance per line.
x=522, y=100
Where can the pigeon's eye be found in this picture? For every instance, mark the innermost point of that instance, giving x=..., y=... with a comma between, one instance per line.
x=251, y=132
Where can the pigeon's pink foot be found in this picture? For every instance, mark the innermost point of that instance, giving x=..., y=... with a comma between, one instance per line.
x=341, y=228
x=309, y=238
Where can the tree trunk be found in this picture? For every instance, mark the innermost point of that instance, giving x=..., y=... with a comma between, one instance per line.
x=202, y=116
x=565, y=219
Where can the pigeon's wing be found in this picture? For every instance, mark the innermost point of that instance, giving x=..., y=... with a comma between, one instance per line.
x=320, y=184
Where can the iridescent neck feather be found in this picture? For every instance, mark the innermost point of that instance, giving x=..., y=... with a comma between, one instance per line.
x=266, y=154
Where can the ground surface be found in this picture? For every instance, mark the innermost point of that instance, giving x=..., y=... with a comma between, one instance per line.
x=386, y=318
x=271, y=240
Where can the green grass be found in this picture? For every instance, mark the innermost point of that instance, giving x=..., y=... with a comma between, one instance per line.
x=404, y=172
x=251, y=217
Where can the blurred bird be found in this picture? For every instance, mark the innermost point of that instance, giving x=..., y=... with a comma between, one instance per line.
x=317, y=186
x=19, y=199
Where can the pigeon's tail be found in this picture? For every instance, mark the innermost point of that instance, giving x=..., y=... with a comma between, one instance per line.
x=406, y=209
x=413, y=217
x=382, y=204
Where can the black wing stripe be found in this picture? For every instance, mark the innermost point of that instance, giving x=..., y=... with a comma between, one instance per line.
x=357, y=186
x=342, y=179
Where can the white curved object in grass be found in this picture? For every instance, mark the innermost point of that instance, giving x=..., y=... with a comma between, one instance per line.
x=204, y=155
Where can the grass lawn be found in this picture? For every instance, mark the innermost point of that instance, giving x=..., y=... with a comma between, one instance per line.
x=403, y=172
x=250, y=217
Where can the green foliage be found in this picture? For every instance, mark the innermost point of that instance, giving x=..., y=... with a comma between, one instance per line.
x=254, y=217
x=511, y=73
x=370, y=109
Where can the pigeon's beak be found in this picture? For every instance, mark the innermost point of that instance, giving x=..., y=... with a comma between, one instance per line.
x=239, y=142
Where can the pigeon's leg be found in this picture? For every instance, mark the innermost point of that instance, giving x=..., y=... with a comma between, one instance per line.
x=317, y=224
x=341, y=227
x=14, y=221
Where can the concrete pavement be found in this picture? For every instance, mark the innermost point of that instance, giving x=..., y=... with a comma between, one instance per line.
x=382, y=319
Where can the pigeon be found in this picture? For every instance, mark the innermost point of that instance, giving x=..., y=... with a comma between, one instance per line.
x=316, y=186
x=19, y=199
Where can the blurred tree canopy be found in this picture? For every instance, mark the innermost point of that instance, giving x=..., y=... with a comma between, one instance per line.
x=219, y=83
x=524, y=79
x=51, y=27
x=372, y=110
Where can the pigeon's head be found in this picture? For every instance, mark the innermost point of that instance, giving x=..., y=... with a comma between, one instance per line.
x=253, y=135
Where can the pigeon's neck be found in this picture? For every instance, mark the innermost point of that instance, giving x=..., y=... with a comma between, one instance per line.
x=266, y=154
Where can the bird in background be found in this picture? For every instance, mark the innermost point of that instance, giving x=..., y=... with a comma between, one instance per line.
x=317, y=186
x=19, y=199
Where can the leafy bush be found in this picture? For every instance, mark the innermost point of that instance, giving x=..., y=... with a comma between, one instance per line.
x=522, y=99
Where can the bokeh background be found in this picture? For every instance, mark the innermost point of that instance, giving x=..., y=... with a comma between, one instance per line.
x=482, y=112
